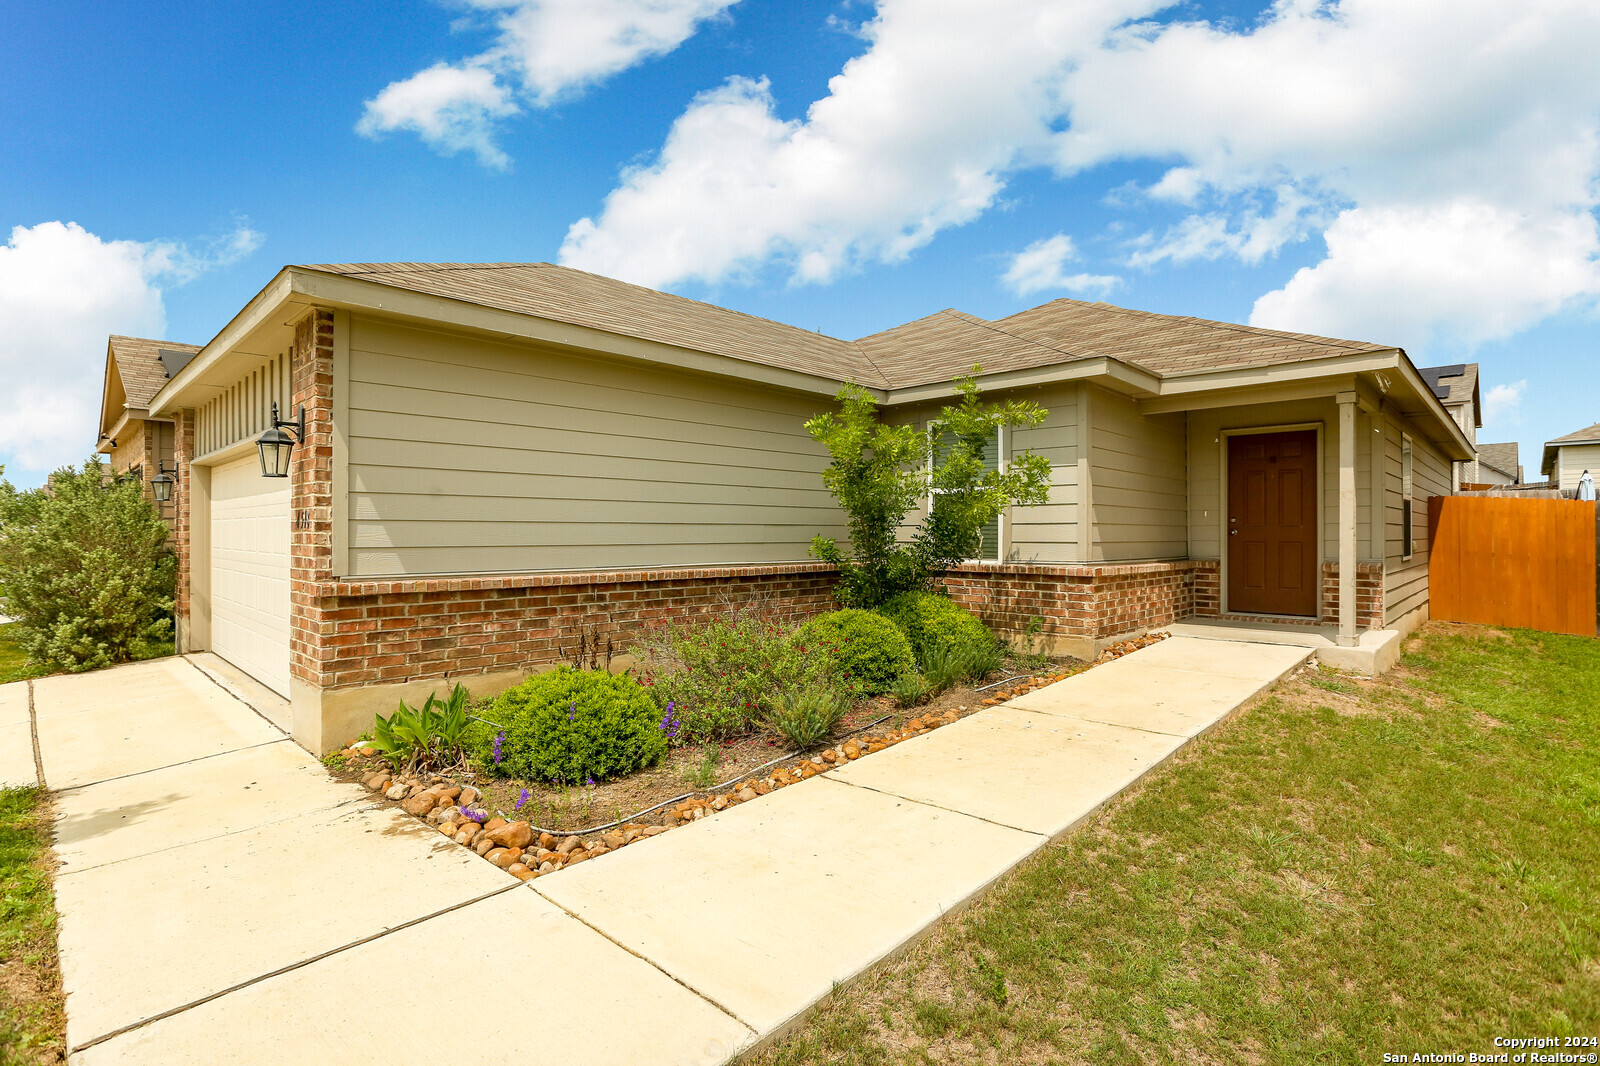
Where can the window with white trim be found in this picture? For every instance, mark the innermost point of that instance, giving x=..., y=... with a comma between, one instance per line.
x=993, y=459
x=1407, y=528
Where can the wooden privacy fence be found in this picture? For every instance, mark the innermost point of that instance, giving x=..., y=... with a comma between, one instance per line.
x=1501, y=561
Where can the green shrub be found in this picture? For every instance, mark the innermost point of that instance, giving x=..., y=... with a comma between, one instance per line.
x=969, y=660
x=85, y=568
x=808, y=716
x=868, y=652
x=432, y=737
x=910, y=689
x=571, y=726
x=933, y=621
x=721, y=675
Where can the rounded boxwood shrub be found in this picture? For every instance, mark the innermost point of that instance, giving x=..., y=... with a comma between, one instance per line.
x=869, y=652
x=571, y=726
x=933, y=622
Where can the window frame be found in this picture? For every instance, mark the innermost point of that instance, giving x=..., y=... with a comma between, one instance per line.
x=1000, y=461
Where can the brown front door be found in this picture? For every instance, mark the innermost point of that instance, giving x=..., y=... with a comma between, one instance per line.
x=1272, y=523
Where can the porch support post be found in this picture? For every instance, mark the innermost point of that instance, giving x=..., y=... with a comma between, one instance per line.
x=1347, y=519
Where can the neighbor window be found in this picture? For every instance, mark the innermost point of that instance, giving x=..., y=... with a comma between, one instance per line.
x=943, y=440
x=1407, y=535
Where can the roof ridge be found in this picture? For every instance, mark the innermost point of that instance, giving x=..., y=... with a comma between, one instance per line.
x=1259, y=331
x=1017, y=336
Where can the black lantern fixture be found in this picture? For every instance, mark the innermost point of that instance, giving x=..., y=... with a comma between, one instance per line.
x=275, y=445
x=164, y=481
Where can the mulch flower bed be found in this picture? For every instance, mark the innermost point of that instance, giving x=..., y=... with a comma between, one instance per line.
x=478, y=815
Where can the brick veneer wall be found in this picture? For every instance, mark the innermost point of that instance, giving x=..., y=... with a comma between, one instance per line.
x=1077, y=601
x=1369, y=594
x=182, y=522
x=390, y=631
x=311, y=493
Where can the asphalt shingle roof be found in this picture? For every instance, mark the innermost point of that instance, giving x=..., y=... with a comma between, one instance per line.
x=139, y=366
x=1582, y=436
x=1503, y=457
x=931, y=349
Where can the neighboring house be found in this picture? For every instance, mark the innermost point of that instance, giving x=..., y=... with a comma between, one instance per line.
x=1566, y=458
x=136, y=443
x=495, y=454
x=1456, y=386
x=1497, y=464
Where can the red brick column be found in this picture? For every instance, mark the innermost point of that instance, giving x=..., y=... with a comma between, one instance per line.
x=311, y=493
x=182, y=523
x=1369, y=594
x=1208, y=588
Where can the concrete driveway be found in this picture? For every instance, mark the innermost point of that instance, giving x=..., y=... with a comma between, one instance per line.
x=222, y=899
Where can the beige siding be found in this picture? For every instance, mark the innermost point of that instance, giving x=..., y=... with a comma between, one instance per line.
x=1572, y=460
x=469, y=456
x=1206, y=444
x=1406, y=580
x=1047, y=533
x=1139, y=476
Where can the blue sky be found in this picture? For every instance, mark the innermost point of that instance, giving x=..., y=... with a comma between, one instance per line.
x=1425, y=177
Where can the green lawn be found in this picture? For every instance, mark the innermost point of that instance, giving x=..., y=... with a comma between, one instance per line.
x=32, y=1025
x=1349, y=868
x=15, y=666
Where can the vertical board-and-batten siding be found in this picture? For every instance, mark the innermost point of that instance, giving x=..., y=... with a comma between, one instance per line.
x=470, y=456
x=243, y=411
x=1139, y=466
x=1047, y=533
x=1406, y=580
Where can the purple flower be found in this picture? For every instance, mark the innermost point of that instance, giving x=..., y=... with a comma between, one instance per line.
x=572, y=710
x=669, y=721
x=521, y=801
x=589, y=781
x=473, y=815
x=499, y=739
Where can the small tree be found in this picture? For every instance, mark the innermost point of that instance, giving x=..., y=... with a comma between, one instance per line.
x=880, y=472
x=85, y=568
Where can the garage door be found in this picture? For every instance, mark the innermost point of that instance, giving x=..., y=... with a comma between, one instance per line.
x=250, y=571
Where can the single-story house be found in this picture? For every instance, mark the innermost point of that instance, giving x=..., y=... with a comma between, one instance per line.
x=495, y=454
x=1567, y=457
x=135, y=442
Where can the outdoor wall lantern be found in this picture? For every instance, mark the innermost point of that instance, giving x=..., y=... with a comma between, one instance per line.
x=163, y=482
x=275, y=445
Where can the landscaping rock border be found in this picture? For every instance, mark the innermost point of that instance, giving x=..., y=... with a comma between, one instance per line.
x=526, y=852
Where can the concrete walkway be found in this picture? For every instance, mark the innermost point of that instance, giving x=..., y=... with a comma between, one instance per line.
x=222, y=899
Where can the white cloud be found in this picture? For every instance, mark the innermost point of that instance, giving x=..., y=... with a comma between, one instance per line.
x=1502, y=404
x=543, y=51
x=451, y=108
x=1464, y=272
x=1401, y=128
x=915, y=135
x=1041, y=266
x=1385, y=127
x=63, y=290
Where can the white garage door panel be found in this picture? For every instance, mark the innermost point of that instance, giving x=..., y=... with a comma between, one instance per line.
x=250, y=571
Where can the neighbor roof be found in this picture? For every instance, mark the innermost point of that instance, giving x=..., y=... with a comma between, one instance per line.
x=1455, y=385
x=1502, y=457
x=140, y=365
x=1582, y=436
x=931, y=349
